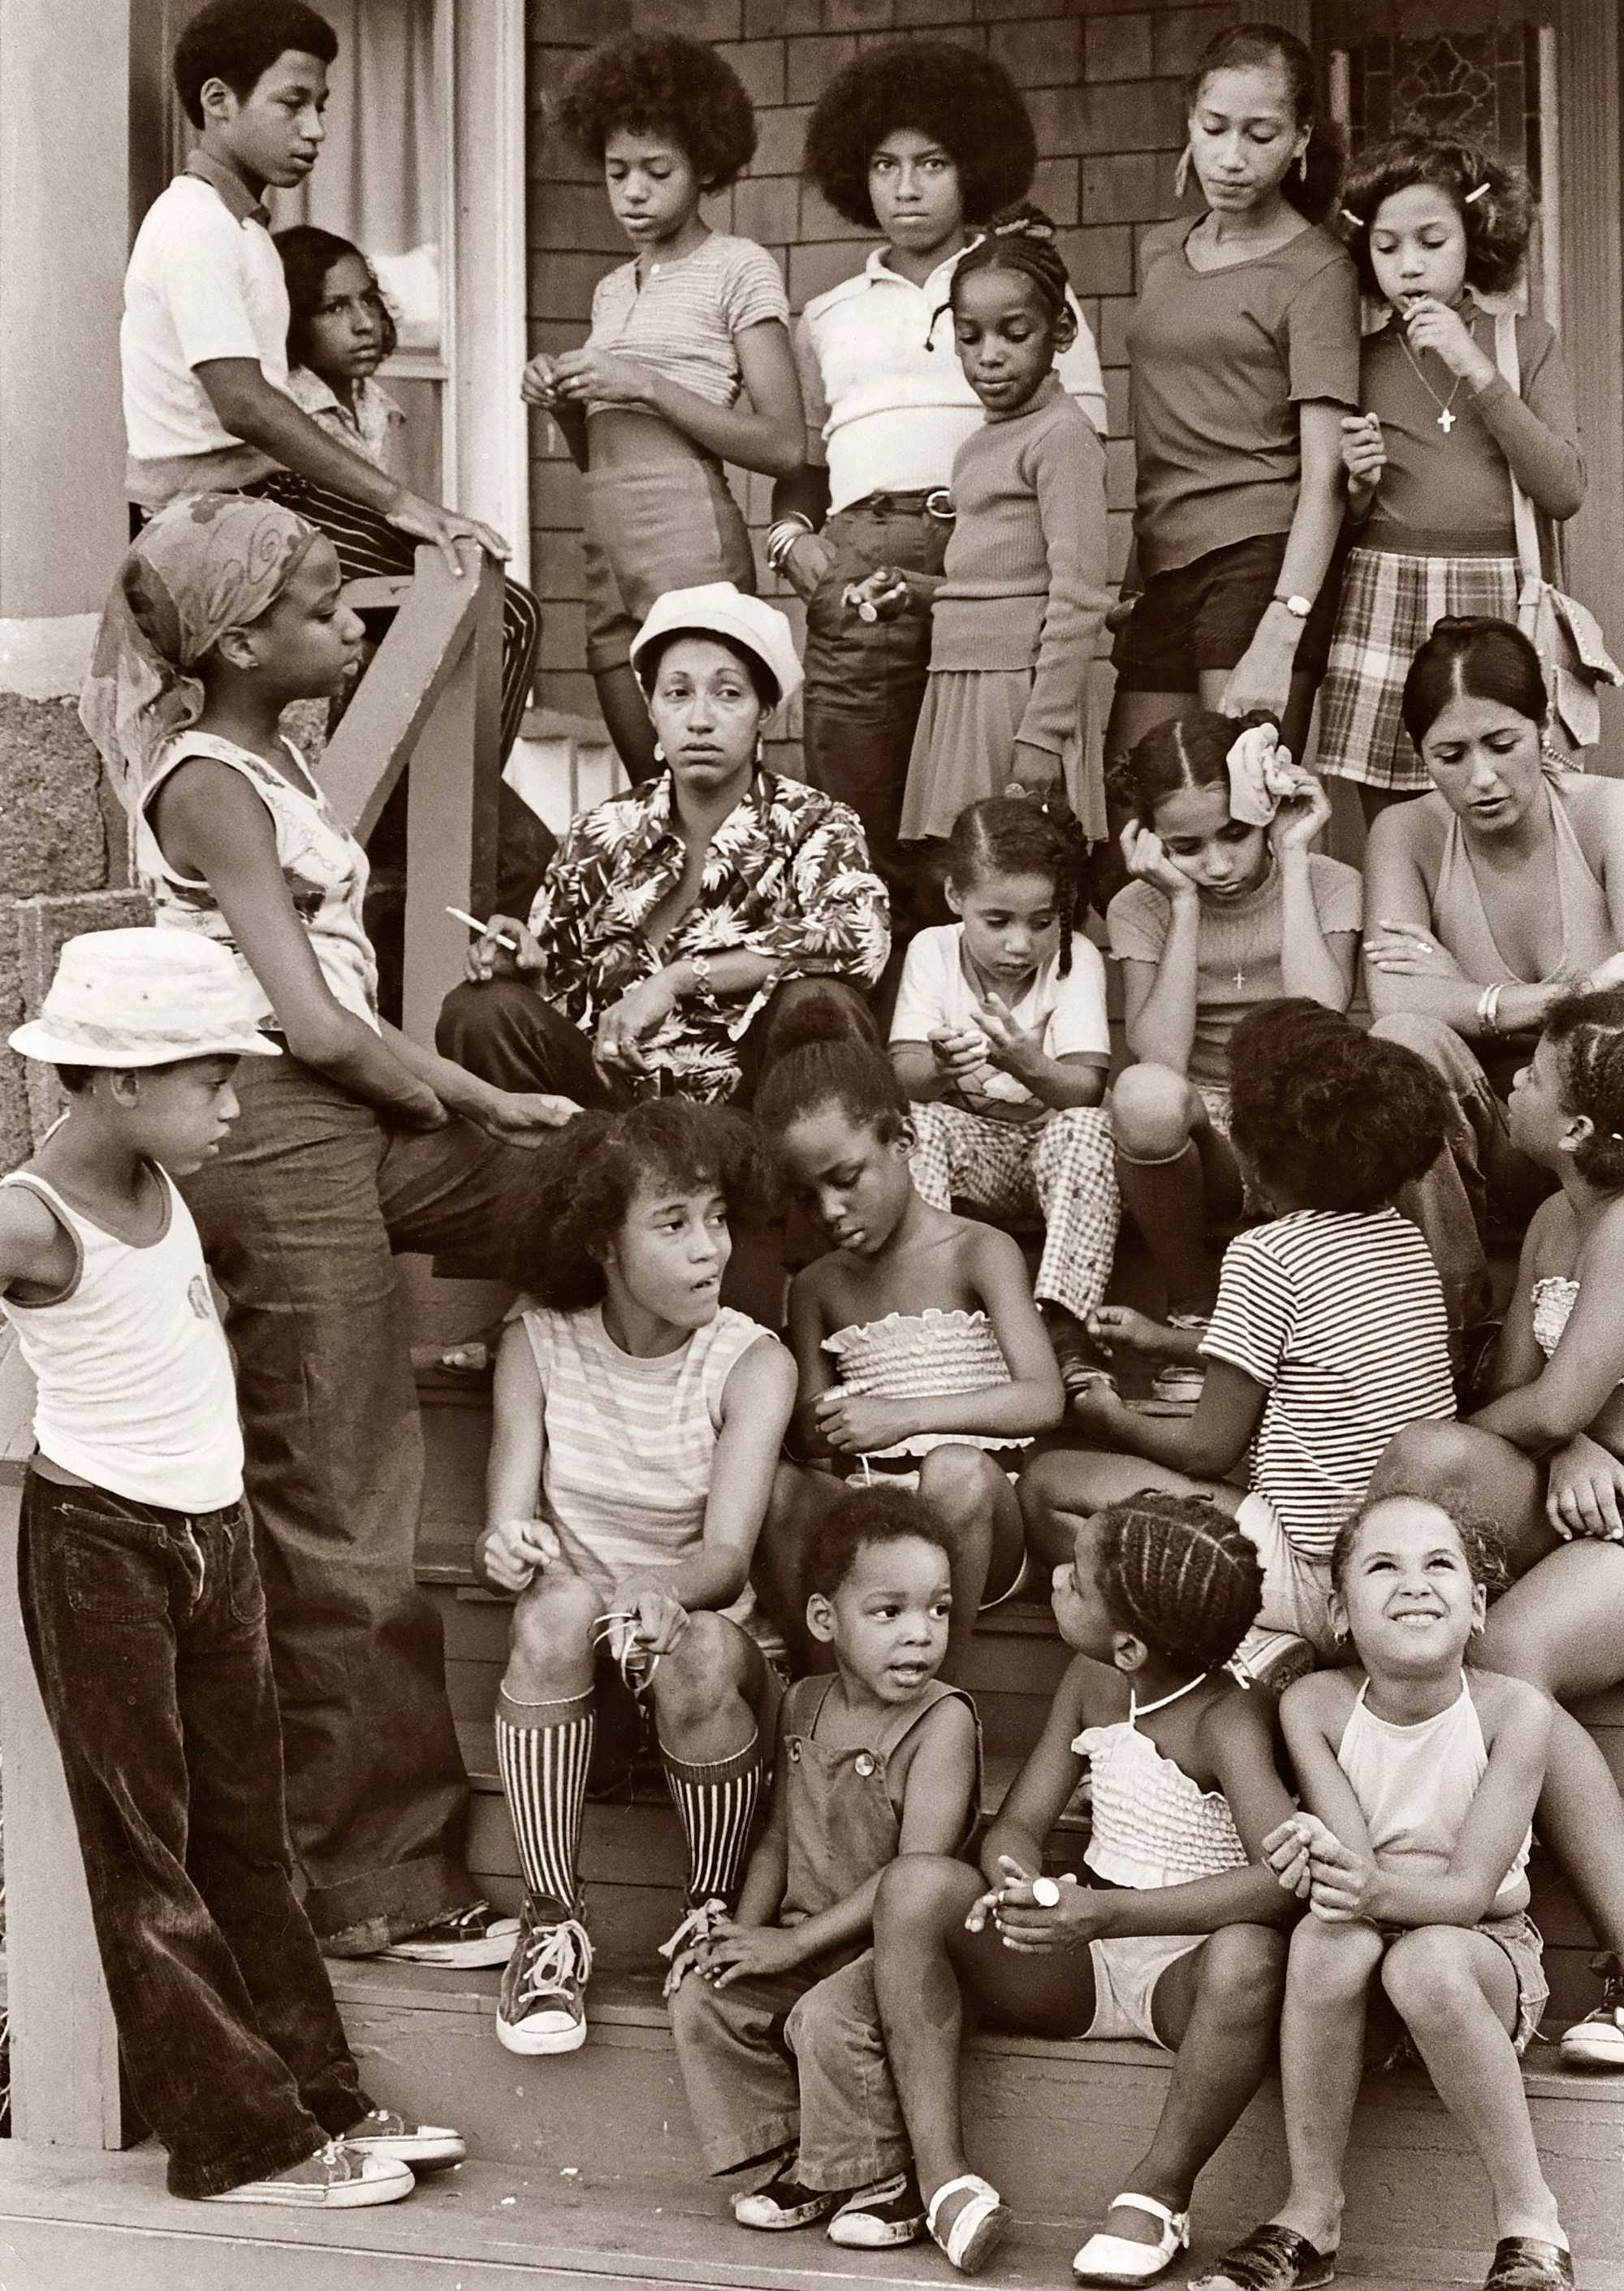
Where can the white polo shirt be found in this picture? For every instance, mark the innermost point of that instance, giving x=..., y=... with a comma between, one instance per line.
x=204, y=281
x=891, y=407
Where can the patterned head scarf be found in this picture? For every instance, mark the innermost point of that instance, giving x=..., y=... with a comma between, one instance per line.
x=211, y=563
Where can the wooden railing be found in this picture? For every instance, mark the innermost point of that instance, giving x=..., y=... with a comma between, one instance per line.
x=431, y=698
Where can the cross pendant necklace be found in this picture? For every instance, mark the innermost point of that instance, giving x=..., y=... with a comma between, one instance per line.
x=1239, y=978
x=1447, y=416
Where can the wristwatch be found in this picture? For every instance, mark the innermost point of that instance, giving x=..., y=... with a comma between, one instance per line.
x=1300, y=607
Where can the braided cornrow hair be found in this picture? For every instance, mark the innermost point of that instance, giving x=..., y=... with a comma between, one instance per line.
x=1180, y=1574
x=1020, y=238
x=1008, y=835
x=1587, y=1033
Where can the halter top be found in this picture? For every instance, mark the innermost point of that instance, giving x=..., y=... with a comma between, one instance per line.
x=917, y=1355
x=1153, y=1825
x=1461, y=922
x=1415, y=1785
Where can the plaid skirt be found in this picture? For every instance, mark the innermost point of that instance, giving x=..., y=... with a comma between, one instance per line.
x=1389, y=604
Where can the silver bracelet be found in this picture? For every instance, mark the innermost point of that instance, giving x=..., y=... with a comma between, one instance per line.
x=1488, y=1008
x=704, y=986
x=782, y=536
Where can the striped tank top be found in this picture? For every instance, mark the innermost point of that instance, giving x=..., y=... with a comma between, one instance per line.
x=631, y=1444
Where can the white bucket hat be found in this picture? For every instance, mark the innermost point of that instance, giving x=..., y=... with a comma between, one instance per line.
x=143, y=998
x=718, y=608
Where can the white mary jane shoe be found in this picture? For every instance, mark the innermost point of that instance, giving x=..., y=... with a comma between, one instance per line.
x=1114, y=2259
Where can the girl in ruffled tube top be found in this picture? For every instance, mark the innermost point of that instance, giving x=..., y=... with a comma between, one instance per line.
x=920, y=1352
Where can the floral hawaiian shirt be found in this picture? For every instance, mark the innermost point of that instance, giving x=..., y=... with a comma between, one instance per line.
x=787, y=873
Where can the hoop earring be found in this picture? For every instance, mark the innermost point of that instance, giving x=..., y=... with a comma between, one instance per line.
x=1302, y=165
x=1181, y=172
x=659, y=754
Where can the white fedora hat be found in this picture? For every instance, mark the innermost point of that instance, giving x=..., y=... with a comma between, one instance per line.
x=717, y=608
x=143, y=998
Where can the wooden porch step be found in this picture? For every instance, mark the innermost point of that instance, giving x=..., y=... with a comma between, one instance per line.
x=75, y=2220
x=1057, y=2125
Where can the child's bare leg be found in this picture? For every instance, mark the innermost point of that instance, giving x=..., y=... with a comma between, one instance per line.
x=1219, y=2008
x=1170, y=1163
x=626, y=714
x=801, y=1500
x=978, y=1509
x=924, y=1960
x=1065, y=1486
x=1321, y=2058
x=1458, y=1994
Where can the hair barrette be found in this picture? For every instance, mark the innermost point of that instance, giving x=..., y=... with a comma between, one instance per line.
x=1357, y=220
x=1482, y=192
x=1023, y=227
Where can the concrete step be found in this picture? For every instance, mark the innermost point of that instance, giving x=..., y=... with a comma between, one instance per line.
x=1057, y=2125
x=75, y=2220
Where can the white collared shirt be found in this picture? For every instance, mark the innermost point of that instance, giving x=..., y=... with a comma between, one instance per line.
x=890, y=410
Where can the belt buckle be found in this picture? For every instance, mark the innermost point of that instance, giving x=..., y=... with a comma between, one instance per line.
x=939, y=504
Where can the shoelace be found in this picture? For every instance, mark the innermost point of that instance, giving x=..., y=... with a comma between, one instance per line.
x=553, y=1958
x=636, y=1665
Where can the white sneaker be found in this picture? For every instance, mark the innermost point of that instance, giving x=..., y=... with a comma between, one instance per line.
x=476, y=1935
x=338, y=2177
x=425, y=2147
x=543, y=2008
x=1597, y=2041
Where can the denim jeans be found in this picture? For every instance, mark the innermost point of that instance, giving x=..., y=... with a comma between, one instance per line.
x=147, y=1633
x=866, y=682
x=299, y=1213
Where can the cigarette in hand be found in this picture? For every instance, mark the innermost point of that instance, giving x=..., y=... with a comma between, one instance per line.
x=483, y=930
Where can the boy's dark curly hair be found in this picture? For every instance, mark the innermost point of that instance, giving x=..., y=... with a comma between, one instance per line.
x=862, y=1516
x=1179, y=1573
x=1586, y=1031
x=1334, y=1117
x=1007, y=835
x=1499, y=222
x=308, y=255
x=592, y=1170
x=237, y=41
x=1261, y=47
x=659, y=84
x=962, y=98
x=1480, y=1539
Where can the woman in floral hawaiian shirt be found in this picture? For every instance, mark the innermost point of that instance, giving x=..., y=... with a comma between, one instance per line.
x=680, y=924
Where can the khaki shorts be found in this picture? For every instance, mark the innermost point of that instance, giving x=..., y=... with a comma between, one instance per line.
x=675, y=526
x=1126, y=1971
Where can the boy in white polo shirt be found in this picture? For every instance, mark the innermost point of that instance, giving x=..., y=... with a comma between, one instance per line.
x=204, y=341
x=927, y=140
x=142, y=1604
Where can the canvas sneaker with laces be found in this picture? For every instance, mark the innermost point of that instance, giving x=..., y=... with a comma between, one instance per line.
x=338, y=2177
x=474, y=1935
x=1597, y=2041
x=425, y=2147
x=542, y=2007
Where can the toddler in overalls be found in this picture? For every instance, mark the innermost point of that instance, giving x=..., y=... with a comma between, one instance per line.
x=774, y=2013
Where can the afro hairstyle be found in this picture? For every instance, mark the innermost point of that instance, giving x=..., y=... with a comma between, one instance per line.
x=1337, y=1118
x=659, y=84
x=962, y=98
x=862, y=1516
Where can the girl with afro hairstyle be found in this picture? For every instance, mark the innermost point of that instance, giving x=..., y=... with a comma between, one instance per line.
x=1181, y=1945
x=648, y=406
x=1329, y=1335
x=1244, y=355
x=638, y=1424
x=1444, y=435
x=924, y=142
x=1545, y=1458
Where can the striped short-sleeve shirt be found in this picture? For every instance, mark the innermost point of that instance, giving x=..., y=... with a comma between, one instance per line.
x=1340, y=1316
x=683, y=318
x=630, y=1444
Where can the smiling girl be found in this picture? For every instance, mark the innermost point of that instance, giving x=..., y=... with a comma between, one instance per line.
x=648, y=406
x=1434, y=226
x=1229, y=907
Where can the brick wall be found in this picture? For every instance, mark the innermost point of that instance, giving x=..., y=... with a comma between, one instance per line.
x=1102, y=78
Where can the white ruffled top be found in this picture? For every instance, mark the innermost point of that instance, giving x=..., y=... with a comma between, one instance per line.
x=923, y=1355
x=1153, y=1824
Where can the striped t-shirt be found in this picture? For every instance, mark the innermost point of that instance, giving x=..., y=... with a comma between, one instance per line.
x=1340, y=1316
x=683, y=318
x=631, y=1444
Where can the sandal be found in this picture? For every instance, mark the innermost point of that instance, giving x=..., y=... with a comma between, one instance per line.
x=1114, y=2259
x=877, y=2218
x=1271, y=2258
x=781, y=2203
x=1527, y=2263
x=980, y=2225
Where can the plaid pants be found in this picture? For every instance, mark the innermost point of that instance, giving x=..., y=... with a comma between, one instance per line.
x=1066, y=1170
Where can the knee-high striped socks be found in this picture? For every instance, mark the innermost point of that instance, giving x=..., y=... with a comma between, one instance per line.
x=716, y=1803
x=543, y=1753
